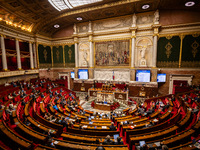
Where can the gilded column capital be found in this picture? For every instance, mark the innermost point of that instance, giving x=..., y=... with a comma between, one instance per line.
x=90, y=38
x=156, y=34
x=133, y=36
x=2, y=35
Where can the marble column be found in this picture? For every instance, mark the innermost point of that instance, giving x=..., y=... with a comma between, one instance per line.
x=19, y=65
x=91, y=52
x=133, y=53
x=31, y=55
x=35, y=55
x=3, y=49
x=76, y=54
x=133, y=36
x=155, y=38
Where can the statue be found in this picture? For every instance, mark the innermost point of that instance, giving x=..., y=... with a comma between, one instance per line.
x=85, y=55
x=74, y=28
x=90, y=26
x=134, y=18
x=142, y=51
x=156, y=17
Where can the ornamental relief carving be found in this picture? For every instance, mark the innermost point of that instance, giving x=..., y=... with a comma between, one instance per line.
x=194, y=46
x=168, y=48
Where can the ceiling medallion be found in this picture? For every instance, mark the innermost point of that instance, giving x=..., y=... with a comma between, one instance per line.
x=56, y=26
x=189, y=4
x=79, y=18
x=146, y=6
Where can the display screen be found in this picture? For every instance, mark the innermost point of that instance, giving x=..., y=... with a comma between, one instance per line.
x=143, y=75
x=72, y=74
x=83, y=74
x=161, y=77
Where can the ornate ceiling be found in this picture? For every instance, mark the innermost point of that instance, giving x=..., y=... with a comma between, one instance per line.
x=39, y=16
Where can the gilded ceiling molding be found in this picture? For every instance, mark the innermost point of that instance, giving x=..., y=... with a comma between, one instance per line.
x=83, y=10
x=180, y=25
x=113, y=39
x=168, y=36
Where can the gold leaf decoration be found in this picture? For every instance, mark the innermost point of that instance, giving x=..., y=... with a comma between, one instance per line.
x=70, y=54
x=45, y=54
x=168, y=37
x=57, y=55
x=168, y=48
x=194, y=45
x=195, y=34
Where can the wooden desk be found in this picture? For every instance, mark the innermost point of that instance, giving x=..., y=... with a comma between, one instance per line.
x=102, y=106
x=117, y=94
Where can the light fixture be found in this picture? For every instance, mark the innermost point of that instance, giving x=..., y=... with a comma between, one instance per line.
x=56, y=26
x=146, y=6
x=79, y=18
x=189, y=4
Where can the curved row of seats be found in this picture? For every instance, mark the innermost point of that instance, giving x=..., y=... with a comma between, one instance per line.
x=176, y=124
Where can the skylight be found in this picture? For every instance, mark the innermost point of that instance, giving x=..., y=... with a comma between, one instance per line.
x=69, y=4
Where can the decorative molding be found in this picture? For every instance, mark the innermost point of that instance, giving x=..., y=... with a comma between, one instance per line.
x=18, y=72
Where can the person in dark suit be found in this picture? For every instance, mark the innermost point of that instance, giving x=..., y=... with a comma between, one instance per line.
x=100, y=148
x=112, y=127
x=108, y=141
x=119, y=142
x=173, y=98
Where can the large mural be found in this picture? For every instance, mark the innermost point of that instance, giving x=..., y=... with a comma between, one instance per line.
x=112, y=53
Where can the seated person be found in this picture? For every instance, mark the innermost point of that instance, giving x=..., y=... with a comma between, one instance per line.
x=100, y=148
x=108, y=141
x=144, y=147
x=149, y=111
x=13, y=94
x=112, y=127
x=6, y=84
x=26, y=122
x=195, y=110
x=10, y=96
x=50, y=143
x=11, y=107
x=56, y=93
x=105, y=102
x=141, y=110
x=197, y=98
x=150, y=124
x=119, y=142
x=55, y=107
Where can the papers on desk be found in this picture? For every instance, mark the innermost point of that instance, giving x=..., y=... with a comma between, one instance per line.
x=157, y=144
x=131, y=127
x=38, y=125
x=104, y=127
x=91, y=122
x=16, y=123
x=56, y=142
x=84, y=126
x=92, y=117
x=155, y=120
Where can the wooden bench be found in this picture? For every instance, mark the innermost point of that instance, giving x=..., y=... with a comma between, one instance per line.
x=18, y=141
